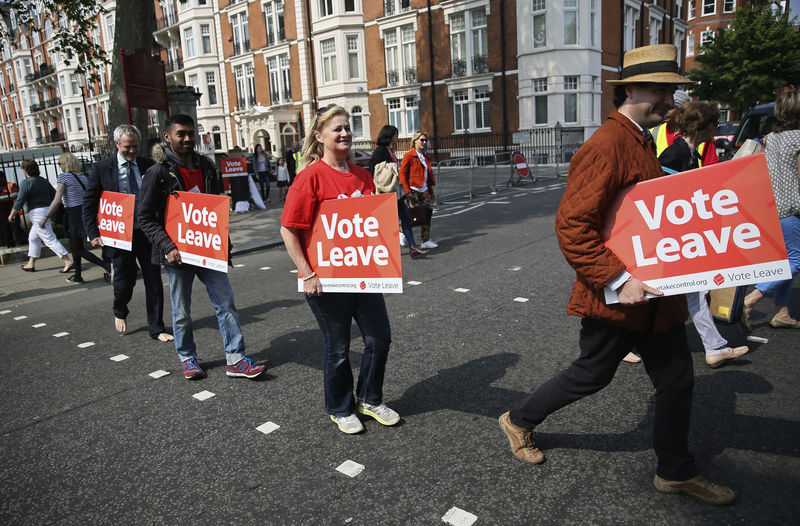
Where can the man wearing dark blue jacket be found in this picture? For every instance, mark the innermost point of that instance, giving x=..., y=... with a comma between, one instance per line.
x=179, y=168
x=123, y=173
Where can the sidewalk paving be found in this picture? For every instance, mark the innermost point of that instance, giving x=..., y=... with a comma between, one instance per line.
x=255, y=230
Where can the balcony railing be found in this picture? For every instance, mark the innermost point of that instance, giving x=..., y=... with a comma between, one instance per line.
x=287, y=95
x=480, y=64
x=41, y=106
x=55, y=101
x=390, y=6
x=246, y=102
x=411, y=75
x=459, y=66
x=392, y=77
x=241, y=47
x=165, y=21
x=275, y=96
x=44, y=71
x=48, y=140
x=174, y=64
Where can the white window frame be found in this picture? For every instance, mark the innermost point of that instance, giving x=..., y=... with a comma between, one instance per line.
x=188, y=42
x=655, y=30
x=692, y=10
x=468, y=102
x=539, y=8
x=593, y=23
x=357, y=121
x=240, y=30
x=400, y=55
x=211, y=87
x=706, y=37
x=325, y=8
x=540, y=95
x=713, y=7
x=690, y=45
x=728, y=6
x=571, y=83
x=206, y=41
x=274, y=22
x=328, y=62
x=630, y=21
x=353, y=47
x=571, y=8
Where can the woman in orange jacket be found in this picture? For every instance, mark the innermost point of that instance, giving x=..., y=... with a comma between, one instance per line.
x=416, y=176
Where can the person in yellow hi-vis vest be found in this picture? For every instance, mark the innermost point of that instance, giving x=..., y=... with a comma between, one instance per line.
x=664, y=136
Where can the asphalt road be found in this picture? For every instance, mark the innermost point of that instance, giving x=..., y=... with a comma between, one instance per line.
x=88, y=440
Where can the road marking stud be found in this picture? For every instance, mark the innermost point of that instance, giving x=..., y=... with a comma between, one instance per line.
x=158, y=374
x=521, y=300
x=350, y=468
x=60, y=334
x=458, y=517
x=119, y=357
x=267, y=427
x=17, y=318
x=460, y=290
x=238, y=265
x=85, y=345
x=414, y=282
x=38, y=325
x=203, y=395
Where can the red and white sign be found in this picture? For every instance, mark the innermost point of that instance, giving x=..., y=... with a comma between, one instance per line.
x=704, y=229
x=198, y=225
x=115, y=219
x=522, y=166
x=352, y=245
x=236, y=167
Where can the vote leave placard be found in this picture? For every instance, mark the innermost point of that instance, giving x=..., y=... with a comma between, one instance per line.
x=198, y=225
x=236, y=167
x=115, y=219
x=704, y=229
x=352, y=245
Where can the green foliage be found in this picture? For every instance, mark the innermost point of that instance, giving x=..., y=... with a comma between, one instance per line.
x=73, y=42
x=744, y=65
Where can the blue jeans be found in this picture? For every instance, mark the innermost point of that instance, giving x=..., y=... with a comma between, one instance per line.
x=334, y=313
x=221, y=294
x=405, y=222
x=791, y=236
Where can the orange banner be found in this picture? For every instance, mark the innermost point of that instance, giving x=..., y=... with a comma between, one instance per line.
x=115, y=219
x=703, y=229
x=353, y=245
x=236, y=167
x=198, y=225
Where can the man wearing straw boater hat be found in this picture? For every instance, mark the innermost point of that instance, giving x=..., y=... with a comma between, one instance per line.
x=619, y=154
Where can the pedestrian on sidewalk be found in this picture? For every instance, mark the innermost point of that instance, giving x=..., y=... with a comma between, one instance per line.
x=694, y=125
x=261, y=165
x=385, y=167
x=329, y=173
x=37, y=193
x=283, y=179
x=179, y=168
x=621, y=153
x=6, y=203
x=122, y=172
x=417, y=179
x=70, y=189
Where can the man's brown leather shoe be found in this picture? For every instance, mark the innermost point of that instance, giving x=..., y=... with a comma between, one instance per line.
x=519, y=438
x=698, y=488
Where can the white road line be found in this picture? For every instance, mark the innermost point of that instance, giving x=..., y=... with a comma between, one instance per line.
x=461, y=211
x=458, y=517
x=119, y=357
x=350, y=468
x=158, y=374
x=521, y=300
x=4, y=311
x=413, y=283
x=757, y=339
x=499, y=202
x=519, y=195
x=85, y=345
x=515, y=268
x=203, y=395
x=238, y=265
x=267, y=427
x=38, y=325
x=18, y=318
x=460, y=290
x=293, y=271
x=264, y=268
x=60, y=334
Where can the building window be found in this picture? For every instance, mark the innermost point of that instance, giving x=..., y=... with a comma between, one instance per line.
x=349, y=6
x=412, y=114
x=540, y=101
x=481, y=108
x=211, y=86
x=690, y=45
x=461, y=110
x=706, y=37
x=286, y=86
x=205, y=36
x=678, y=40
x=48, y=29
x=408, y=107
x=401, y=64
x=472, y=50
x=241, y=33
x=325, y=8
x=593, y=23
x=539, y=23
x=396, y=115
x=357, y=121
x=571, y=99
x=328, y=49
x=352, y=57
x=728, y=6
x=692, y=9
x=592, y=98
x=655, y=31
x=570, y=22
x=709, y=7
x=76, y=89
x=391, y=7
x=188, y=38
x=68, y=113
x=629, y=29
x=109, y=27
x=466, y=120
x=245, y=86
x=194, y=83
x=274, y=82
x=273, y=15
x=217, y=136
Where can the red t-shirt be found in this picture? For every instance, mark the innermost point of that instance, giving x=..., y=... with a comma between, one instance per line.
x=319, y=182
x=192, y=178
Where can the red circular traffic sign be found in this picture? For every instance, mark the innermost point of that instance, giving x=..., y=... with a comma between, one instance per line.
x=522, y=166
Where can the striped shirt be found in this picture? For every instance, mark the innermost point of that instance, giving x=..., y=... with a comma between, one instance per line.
x=73, y=193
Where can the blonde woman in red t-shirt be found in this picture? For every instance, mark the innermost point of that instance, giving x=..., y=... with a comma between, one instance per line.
x=329, y=173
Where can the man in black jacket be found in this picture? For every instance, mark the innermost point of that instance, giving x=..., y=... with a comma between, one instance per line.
x=179, y=168
x=123, y=173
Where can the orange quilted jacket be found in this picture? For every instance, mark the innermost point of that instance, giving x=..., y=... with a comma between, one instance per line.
x=614, y=157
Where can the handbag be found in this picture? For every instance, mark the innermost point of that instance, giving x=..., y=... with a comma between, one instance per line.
x=420, y=215
x=726, y=304
x=385, y=177
x=750, y=147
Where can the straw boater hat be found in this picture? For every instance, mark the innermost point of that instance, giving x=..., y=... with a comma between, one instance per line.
x=651, y=64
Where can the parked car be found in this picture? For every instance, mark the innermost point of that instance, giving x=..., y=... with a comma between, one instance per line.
x=755, y=124
x=361, y=157
x=726, y=130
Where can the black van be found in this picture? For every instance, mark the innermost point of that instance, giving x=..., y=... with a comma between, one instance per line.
x=755, y=124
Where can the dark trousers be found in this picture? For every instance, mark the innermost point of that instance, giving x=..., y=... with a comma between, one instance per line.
x=123, y=264
x=75, y=231
x=335, y=312
x=263, y=182
x=668, y=363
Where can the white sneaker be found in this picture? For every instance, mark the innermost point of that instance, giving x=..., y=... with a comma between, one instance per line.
x=382, y=413
x=349, y=424
x=403, y=242
x=429, y=244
